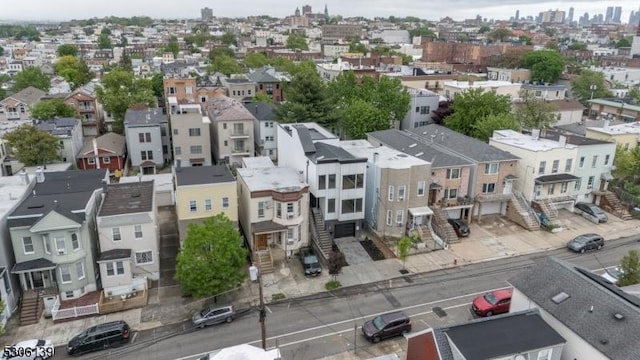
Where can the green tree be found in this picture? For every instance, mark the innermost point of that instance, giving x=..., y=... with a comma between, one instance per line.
x=581, y=86
x=105, y=31
x=500, y=34
x=471, y=106
x=255, y=60
x=123, y=41
x=157, y=85
x=88, y=31
x=546, y=65
x=526, y=40
x=228, y=38
x=104, y=42
x=1, y=310
x=119, y=90
x=125, y=62
x=31, y=76
x=54, y=108
x=172, y=46
x=404, y=246
x=358, y=47
x=226, y=65
x=630, y=266
x=627, y=164
x=634, y=93
x=75, y=72
x=262, y=97
x=297, y=42
x=307, y=99
x=212, y=259
x=1, y=51
x=577, y=45
x=484, y=128
x=484, y=29
x=624, y=42
x=534, y=112
x=217, y=51
x=33, y=146
x=550, y=32
x=362, y=117
x=67, y=49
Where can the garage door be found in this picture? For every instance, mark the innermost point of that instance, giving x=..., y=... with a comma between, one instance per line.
x=490, y=208
x=344, y=230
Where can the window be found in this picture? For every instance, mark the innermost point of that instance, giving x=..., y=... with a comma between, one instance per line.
x=226, y=143
x=224, y=125
x=555, y=165
x=354, y=181
x=551, y=189
x=146, y=155
x=106, y=160
x=331, y=206
x=279, y=210
x=399, y=217
x=424, y=110
x=193, y=205
x=144, y=137
x=178, y=150
x=491, y=168
x=567, y=165
x=488, y=188
x=291, y=233
x=91, y=161
x=453, y=173
x=594, y=162
x=175, y=131
x=207, y=205
x=203, y=99
x=402, y=190
x=351, y=206
x=172, y=90
x=545, y=354
x=564, y=187
x=606, y=159
x=144, y=257
x=188, y=89
x=578, y=184
x=225, y=202
x=289, y=208
x=75, y=241
x=80, y=270
x=115, y=234
x=450, y=193
x=541, y=167
x=389, y=217
x=196, y=149
x=421, y=187
x=68, y=294
x=332, y=181
x=581, y=162
x=46, y=243
x=266, y=123
x=61, y=247
x=115, y=268
x=137, y=231
x=65, y=274
x=391, y=191
x=322, y=182
x=590, y=182
x=27, y=245
x=261, y=209
x=194, y=132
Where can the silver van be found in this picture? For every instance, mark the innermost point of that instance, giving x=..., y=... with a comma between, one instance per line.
x=212, y=315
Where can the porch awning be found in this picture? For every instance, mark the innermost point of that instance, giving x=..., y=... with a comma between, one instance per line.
x=266, y=227
x=115, y=254
x=421, y=211
x=606, y=176
x=33, y=265
x=555, y=178
x=510, y=177
x=435, y=186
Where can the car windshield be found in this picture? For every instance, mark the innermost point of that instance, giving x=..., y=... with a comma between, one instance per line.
x=204, y=312
x=490, y=298
x=581, y=239
x=310, y=260
x=379, y=323
x=597, y=210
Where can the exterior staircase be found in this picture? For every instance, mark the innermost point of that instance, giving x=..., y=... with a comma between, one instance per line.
x=319, y=233
x=547, y=207
x=519, y=211
x=612, y=204
x=442, y=228
x=31, y=308
x=265, y=261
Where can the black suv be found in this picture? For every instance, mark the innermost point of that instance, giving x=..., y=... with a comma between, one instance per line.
x=386, y=326
x=102, y=336
x=310, y=263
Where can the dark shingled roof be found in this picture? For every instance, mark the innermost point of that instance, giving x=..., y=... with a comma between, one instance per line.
x=199, y=175
x=58, y=127
x=518, y=333
x=305, y=139
x=329, y=153
x=262, y=111
x=139, y=117
x=115, y=254
x=616, y=339
x=573, y=139
x=37, y=264
x=128, y=198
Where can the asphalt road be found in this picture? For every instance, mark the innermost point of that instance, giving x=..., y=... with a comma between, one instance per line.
x=313, y=328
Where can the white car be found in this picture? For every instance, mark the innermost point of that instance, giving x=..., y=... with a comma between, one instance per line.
x=612, y=275
x=28, y=350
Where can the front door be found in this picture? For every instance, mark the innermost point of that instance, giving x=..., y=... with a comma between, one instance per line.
x=417, y=221
x=432, y=196
x=260, y=241
x=37, y=279
x=508, y=184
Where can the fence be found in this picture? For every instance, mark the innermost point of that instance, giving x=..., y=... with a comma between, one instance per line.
x=76, y=311
x=123, y=302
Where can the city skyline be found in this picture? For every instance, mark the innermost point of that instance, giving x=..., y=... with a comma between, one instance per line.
x=61, y=10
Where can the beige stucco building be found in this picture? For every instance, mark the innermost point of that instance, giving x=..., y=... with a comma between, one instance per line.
x=231, y=130
x=190, y=132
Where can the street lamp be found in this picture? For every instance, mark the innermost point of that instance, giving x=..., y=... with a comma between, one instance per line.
x=593, y=88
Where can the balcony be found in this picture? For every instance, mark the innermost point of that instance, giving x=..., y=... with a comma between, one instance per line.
x=239, y=134
x=240, y=151
x=86, y=109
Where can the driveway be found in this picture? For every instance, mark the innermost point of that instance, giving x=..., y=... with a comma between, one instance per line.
x=353, y=251
x=169, y=244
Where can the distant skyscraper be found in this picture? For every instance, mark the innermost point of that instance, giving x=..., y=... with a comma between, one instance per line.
x=297, y=13
x=206, y=14
x=617, y=14
x=609, y=15
x=517, y=15
x=306, y=9
x=570, y=17
x=326, y=11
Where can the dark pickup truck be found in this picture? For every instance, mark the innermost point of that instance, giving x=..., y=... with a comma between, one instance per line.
x=310, y=263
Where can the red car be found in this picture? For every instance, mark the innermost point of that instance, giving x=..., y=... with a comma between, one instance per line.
x=495, y=302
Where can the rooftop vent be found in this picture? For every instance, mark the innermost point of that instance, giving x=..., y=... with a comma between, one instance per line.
x=38, y=206
x=560, y=297
x=413, y=145
x=618, y=316
x=135, y=195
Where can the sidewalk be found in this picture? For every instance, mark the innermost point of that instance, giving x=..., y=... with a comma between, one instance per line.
x=493, y=238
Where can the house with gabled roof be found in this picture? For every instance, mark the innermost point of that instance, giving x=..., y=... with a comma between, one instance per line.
x=103, y=152
x=69, y=133
x=85, y=101
x=231, y=130
x=18, y=106
x=267, y=83
x=264, y=128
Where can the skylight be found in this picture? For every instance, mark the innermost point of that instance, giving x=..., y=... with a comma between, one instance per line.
x=560, y=297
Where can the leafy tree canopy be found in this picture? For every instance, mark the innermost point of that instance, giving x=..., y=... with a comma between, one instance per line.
x=581, y=86
x=472, y=106
x=534, y=112
x=307, y=99
x=172, y=46
x=226, y=65
x=33, y=146
x=484, y=128
x=255, y=60
x=75, y=72
x=297, y=42
x=577, y=45
x=525, y=40
x=212, y=259
x=217, y=51
x=228, y=38
x=424, y=32
x=630, y=266
x=627, y=164
x=500, y=34
x=50, y=109
x=104, y=42
x=358, y=47
x=624, y=42
x=67, y=50
x=546, y=65
x=31, y=76
x=484, y=29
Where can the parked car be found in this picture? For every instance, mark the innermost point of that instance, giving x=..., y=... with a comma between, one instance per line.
x=310, y=263
x=491, y=303
x=460, y=227
x=98, y=337
x=386, y=326
x=591, y=210
x=212, y=315
x=586, y=242
x=613, y=275
x=28, y=350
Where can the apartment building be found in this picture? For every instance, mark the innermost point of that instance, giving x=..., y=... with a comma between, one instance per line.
x=18, y=106
x=85, y=101
x=423, y=103
x=232, y=133
x=69, y=133
x=190, y=131
x=147, y=135
x=264, y=129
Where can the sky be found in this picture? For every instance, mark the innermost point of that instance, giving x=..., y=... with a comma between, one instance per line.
x=59, y=10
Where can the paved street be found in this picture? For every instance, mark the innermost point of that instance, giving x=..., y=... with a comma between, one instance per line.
x=312, y=329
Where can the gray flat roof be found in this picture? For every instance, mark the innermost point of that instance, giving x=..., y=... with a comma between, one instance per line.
x=127, y=198
x=200, y=175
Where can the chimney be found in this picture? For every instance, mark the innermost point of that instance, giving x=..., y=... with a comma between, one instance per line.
x=95, y=153
x=39, y=175
x=24, y=176
x=562, y=140
x=375, y=157
x=535, y=134
x=178, y=165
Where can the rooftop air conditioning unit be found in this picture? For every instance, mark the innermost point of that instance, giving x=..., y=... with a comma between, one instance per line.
x=399, y=223
x=289, y=215
x=291, y=241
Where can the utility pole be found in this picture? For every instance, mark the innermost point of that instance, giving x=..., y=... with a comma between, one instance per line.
x=263, y=314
